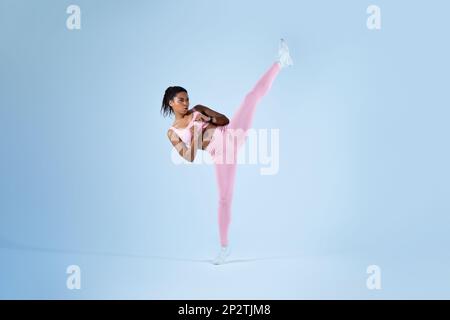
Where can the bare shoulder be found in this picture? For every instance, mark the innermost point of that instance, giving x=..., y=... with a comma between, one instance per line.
x=171, y=133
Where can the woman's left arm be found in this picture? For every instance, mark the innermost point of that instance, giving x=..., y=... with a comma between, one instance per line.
x=216, y=118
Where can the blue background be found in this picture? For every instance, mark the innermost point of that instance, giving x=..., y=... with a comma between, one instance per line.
x=87, y=176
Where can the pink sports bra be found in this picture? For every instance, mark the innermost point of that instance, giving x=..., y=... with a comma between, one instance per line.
x=185, y=133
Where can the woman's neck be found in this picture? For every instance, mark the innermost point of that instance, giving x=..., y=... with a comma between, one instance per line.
x=180, y=117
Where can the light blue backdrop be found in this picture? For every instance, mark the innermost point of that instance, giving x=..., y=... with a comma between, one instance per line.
x=86, y=171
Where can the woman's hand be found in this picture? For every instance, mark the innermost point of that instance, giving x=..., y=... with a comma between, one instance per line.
x=201, y=117
x=216, y=118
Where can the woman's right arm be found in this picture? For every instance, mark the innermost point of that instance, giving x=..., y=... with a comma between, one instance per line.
x=217, y=118
x=188, y=153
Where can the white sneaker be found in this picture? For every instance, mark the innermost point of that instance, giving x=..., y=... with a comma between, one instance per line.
x=284, y=59
x=223, y=254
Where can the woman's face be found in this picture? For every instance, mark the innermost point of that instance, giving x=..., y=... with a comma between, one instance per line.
x=180, y=103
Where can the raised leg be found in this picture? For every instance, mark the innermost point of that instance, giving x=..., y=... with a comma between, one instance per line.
x=242, y=119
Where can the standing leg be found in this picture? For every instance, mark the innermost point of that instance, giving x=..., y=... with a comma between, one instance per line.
x=225, y=174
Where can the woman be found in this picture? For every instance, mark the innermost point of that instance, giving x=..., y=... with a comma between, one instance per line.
x=205, y=129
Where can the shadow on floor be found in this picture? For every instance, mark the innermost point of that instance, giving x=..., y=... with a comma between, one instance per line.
x=8, y=244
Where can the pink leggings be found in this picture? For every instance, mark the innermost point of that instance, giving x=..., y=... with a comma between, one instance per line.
x=224, y=153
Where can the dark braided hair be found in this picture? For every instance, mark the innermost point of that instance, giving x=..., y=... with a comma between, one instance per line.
x=170, y=93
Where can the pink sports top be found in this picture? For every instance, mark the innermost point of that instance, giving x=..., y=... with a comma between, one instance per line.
x=185, y=133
